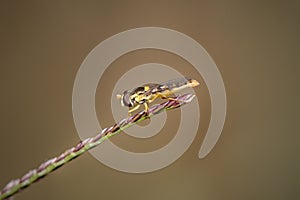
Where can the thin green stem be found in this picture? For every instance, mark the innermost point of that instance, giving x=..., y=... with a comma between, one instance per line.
x=49, y=166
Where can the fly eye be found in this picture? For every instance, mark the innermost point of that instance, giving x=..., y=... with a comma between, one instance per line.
x=126, y=99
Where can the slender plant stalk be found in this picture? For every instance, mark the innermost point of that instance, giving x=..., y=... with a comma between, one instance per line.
x=49, y=166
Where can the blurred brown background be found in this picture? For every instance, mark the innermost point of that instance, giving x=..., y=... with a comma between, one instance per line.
x=254, y=44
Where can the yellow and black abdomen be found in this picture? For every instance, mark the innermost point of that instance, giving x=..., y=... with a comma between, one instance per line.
x=178, y=84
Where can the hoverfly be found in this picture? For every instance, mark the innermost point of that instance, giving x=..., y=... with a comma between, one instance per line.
x=147, y=93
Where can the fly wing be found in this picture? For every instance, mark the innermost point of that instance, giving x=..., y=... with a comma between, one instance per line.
x=175, y=83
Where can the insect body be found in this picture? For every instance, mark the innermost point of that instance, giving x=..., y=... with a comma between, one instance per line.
x=147, y=93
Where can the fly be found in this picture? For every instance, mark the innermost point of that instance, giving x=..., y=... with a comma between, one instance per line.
x=147, y=93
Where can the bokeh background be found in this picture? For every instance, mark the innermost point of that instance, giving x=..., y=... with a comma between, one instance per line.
x=255, y=45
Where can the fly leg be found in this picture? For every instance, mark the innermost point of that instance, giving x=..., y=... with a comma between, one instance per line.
x=163, y=96
x=169, y=98
x=146, y=108
x=133, y=109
